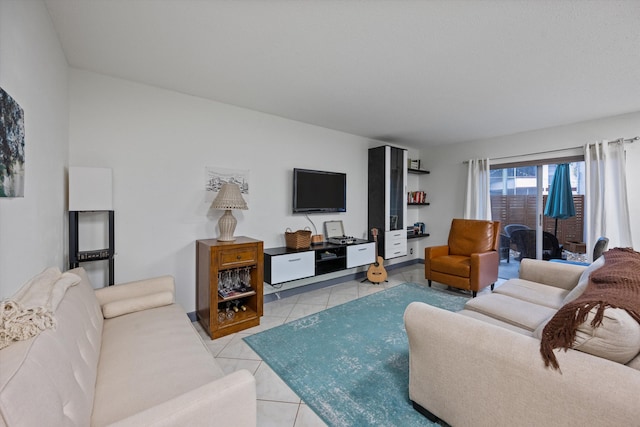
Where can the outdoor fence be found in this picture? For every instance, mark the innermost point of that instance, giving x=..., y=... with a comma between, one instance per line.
x=521, y=209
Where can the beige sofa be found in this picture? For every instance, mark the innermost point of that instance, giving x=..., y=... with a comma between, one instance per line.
x=482, y=366
x=125, y=355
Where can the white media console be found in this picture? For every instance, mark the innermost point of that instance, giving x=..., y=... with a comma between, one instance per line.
x=284, y=264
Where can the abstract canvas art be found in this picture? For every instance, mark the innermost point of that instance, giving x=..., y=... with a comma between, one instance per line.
x=11, y=147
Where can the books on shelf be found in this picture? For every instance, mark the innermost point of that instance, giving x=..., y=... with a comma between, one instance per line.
x=416, y=197
x=413, y=163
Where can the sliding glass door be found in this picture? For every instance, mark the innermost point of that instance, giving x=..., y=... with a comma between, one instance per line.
x=519, y=194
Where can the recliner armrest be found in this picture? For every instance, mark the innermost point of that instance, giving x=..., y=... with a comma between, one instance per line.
x=484, y=269
x=435, y=251
x=430, y=253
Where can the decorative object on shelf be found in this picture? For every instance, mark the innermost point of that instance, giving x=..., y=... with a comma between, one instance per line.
x=417, y=197
x=316, y=239
x=300, y=239
x=228, y=198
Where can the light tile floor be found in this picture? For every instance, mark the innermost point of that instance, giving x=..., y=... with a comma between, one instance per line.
x=278, y=405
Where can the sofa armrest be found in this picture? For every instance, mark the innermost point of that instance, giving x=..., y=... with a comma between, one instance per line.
x=139, y=288
x=468, y=372
x=228, y=401
x=556, y=274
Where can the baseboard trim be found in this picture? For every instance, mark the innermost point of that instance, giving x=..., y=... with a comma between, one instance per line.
x=330, y=282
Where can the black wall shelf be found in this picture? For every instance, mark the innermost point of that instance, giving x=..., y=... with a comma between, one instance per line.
x=76, y=256
x=418, y=171
x=417, y=236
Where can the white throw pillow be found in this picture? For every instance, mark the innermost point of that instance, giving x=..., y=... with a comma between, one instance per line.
x=130, y=305
x=584, y=281
x=616, y=339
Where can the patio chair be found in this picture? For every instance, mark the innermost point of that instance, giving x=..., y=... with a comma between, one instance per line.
x=525, y=241
x=510, y=228
x=507, y=242
x=505, y=247
x=601, y=245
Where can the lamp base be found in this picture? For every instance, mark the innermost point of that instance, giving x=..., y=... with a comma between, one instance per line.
x=227, y=224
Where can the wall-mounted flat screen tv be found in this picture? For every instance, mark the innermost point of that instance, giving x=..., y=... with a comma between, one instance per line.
x=319, y=191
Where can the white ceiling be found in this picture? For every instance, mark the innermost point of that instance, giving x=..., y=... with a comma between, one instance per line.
x=417, y=73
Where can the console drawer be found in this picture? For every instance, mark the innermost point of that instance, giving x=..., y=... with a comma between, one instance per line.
x=283, y=268
x=237, y=257
x=395, y=244
x=361, y=254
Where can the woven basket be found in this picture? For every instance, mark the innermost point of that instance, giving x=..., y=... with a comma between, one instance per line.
x=300, y=239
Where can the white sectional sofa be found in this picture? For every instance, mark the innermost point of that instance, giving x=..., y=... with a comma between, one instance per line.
x=482, y=366
x=125, y=355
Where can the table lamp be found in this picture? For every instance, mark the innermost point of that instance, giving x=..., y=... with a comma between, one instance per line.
x=228, y=198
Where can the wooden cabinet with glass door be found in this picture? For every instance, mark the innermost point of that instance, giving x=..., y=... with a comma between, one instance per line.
x=229, y=280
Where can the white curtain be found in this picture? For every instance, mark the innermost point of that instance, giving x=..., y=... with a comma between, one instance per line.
x=477, y=203
x=606, y=206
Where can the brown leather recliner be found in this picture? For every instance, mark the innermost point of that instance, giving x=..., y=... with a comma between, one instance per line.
x=471, y=258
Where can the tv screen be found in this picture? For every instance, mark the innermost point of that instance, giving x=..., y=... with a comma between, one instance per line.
x=319, y=191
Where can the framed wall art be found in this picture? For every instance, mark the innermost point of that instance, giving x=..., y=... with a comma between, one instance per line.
x=12, y=162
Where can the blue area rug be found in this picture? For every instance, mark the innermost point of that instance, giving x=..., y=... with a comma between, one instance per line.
x=350, y=363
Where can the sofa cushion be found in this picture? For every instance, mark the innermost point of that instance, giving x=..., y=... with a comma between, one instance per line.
x=536, y=293
x=454, y=265
x=143, y=359
x=494, y=321
x=584, y=281
x=556, y=274
x=523, y=314
x=49, y=380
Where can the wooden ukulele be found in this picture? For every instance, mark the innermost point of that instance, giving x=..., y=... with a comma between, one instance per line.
x=376, y=272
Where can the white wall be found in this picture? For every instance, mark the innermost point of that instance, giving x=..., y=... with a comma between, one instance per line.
x=158, y=144
x=447, y=182
x=33, y=70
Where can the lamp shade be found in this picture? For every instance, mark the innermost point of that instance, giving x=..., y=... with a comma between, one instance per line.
x=90, y=189
x=229, y=197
